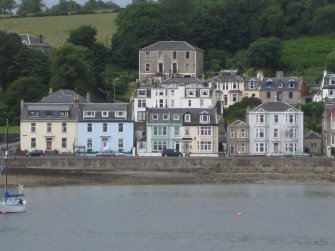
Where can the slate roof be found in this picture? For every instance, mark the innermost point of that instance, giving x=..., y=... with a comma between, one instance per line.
x=48, y=111
x=312, y=135
x=111, y=108
x=280, y=84
x=33, y=41
x=227, y=78
x=277, y=106
x=328, y=81
x=62, y=96
x=194, y=112
x=182, y=81
x=171, y=46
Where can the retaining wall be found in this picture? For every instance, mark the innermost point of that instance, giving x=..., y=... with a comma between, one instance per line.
x=186, y=164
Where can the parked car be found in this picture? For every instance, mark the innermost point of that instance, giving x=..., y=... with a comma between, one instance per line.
x=105, y=154
x=276, y=154
x=171, y=152
x=35, y=153
x=119, y=154
x=300, y=154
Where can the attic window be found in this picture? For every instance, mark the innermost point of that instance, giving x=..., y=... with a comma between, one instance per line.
x=88, y=114
x=187, y=117
x=204, y=119
x=291, y=83
x=34, y=113
x=252, y=85
x=268, y=84
x=280, y=84
x=332, y=81
x=190, y=93
x=142, y=93
x=120, y=114
x=204, y=93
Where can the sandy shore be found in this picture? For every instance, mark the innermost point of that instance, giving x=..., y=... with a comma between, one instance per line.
x=37, y=177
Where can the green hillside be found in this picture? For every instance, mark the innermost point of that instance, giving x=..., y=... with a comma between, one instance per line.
x=308, y=54
x=56, y=28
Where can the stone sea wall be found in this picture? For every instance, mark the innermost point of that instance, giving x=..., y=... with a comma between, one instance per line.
x=189, y=164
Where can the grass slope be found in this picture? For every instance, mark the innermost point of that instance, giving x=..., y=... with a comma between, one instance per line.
x=308, y=54
x=56, y=29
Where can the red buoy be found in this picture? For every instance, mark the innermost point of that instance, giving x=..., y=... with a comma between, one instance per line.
x=238, y=214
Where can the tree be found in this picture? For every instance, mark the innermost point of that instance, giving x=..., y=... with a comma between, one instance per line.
x=65, y=7
x=29, y=62
x=10, y=46
x=71, y=68
x=330, y=62
x=312, y=118
x=83, y=36
x=238, y=110
x=27, y=88
x=265, y=53
x=324, y=19
x=6, y=6
x=30, y=7
x=273, y=21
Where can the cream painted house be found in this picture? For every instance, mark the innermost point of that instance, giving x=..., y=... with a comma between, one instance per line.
x=51, y=124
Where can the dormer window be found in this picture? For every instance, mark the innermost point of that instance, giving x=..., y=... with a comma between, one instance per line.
x=165, y=116
x=154, y=116
x=280, y=84
x=205, y=118
x=89, y=114
x=63, y=114
x=104, y=114
x=190, y=93
x=268, y=84
x=187, y=117
x=120, y=114
x=291, y=83
x=204, y=93
x=141, y=93
x=34, y=113
x=252, y=85
x=332, y=81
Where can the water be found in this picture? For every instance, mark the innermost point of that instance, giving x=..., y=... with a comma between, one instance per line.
x=174, y=217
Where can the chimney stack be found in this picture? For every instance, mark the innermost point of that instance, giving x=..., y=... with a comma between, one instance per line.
x=88, y=97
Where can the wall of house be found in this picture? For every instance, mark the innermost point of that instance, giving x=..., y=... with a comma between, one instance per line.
x=41, y=135
x=112, y=135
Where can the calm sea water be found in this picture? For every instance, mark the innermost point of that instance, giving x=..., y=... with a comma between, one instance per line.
x=174, y=217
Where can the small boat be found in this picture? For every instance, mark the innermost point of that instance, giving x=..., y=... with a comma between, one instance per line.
x=12, y=202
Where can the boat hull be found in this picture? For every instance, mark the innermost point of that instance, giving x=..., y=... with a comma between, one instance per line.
x=11, y=208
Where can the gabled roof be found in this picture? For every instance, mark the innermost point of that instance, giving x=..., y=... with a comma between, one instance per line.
x=33, y=41
x=170, y=46
x=277, y=106
x=238, y=122
x=63, y=96
x=227, y=78
x=312, y=135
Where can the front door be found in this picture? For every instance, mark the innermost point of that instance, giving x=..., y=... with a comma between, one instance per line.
x=177, y=146
x=275, y=147
x=49, y=144
x=105, y=146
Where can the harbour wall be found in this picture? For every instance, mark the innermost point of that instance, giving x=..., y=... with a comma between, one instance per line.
x=320, y=165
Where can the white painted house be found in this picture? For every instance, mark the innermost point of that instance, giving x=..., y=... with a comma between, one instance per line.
x=229, y=88
x=275, y=126
x=175, y=92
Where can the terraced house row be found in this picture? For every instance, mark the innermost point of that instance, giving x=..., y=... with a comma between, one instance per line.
x=174, y=107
